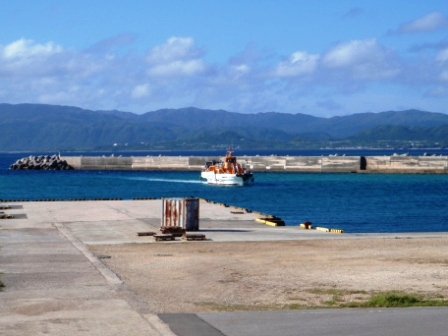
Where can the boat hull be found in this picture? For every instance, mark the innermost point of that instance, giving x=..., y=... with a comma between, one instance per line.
x=227, y=179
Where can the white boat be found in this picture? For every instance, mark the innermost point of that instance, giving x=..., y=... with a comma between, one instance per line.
x=227, y=171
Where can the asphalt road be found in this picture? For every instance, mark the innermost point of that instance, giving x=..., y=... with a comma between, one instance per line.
x=323, y=322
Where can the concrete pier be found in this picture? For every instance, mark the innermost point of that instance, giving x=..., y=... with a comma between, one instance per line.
x=313, y=164
x=56, y=285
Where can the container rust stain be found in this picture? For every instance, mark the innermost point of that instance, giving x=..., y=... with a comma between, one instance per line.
x=182, y=212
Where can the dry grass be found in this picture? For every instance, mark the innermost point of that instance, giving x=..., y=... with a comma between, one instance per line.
x=207, y=276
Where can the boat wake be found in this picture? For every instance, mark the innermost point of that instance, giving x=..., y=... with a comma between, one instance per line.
x=150, y=179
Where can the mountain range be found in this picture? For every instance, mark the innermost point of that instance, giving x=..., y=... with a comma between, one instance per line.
x=39, y=127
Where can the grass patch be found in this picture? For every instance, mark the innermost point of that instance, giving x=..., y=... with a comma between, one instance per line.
x=377, y=300
x=334, y=291
x=336, y=299
x=393, y=300
x=397, y=299
x=212, y=306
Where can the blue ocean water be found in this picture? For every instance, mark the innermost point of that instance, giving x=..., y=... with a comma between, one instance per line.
x=352, y=202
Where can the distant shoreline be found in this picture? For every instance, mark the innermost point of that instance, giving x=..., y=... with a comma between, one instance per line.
x=238, y=150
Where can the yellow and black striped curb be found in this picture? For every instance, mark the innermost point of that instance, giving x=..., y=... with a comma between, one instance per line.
x=267, y=222
x=336, y=231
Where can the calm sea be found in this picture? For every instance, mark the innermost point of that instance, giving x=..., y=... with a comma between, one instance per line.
x=352, y=202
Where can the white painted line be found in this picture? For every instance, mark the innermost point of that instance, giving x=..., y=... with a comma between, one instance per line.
x=110, y=276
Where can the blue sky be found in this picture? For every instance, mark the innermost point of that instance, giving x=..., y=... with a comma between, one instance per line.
x=323, y=58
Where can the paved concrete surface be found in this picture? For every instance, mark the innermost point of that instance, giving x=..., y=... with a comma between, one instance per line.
x=56, y=286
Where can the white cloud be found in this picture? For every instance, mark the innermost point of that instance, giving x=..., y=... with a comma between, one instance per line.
x=178, y=68
x=352, y=53
x=177, y=57
x=299, y=63
x=27, y=59
x=240, y=69
x=58, y=96
x=175, y=48
x=141, y=91
x=442, y=56
x=362, y=59
x=444, y=76
x=175, y=74
x=27, y=48
x=430, y=22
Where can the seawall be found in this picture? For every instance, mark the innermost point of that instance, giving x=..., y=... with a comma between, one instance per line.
x=330, y=164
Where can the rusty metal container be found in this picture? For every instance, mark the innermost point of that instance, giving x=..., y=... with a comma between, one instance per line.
x=181, y=212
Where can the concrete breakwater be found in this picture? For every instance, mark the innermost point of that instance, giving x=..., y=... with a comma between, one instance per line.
x=343, y=164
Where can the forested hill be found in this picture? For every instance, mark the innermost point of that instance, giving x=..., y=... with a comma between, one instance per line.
x=37, y=127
